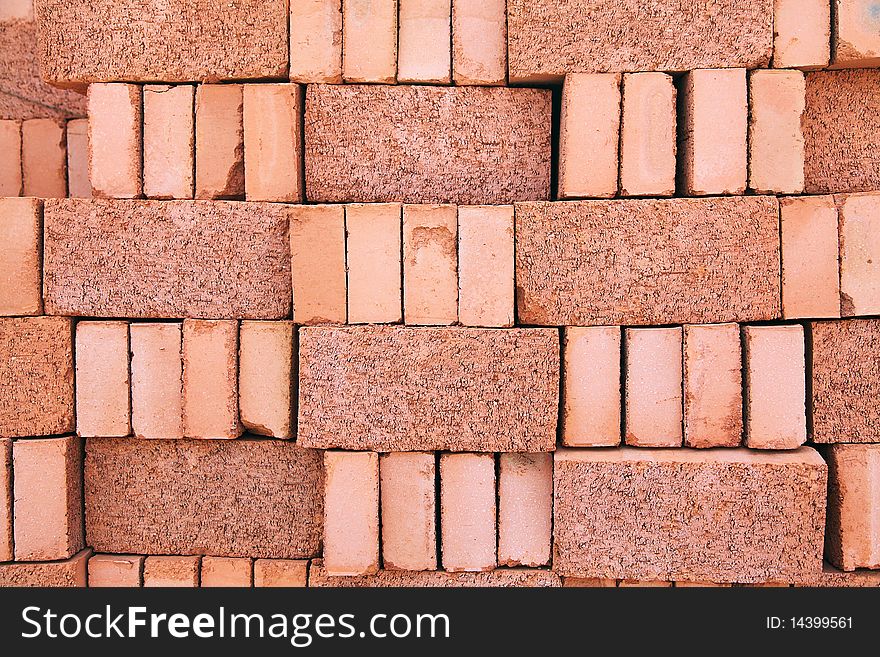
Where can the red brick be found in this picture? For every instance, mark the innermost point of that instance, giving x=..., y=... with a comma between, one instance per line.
x=856, y=38
x=17, y=10
x=316, y=41
x=6, y=510
x=485, y=265
x=502, y=577
x=424, y=41
x=169, y=141
x=156, y=380
x=653, y=387
x=78, y=183
x=430, y=264
x=317, y=254
x=21, y=227
x=369, y=40
x=467, y=512
x=115, y=140
x=373, y=257
x=210, y=379
x=273, y=142
x=220, y=141
x=226, y=571
x=852, y=538
x=588, y=583
x=43, y=158
x=103, y=381
x=116, y=571
x=266, y=381
x=180, y=572
x=647, y=138
x=652, y=584
x=834, y=578
x=479, y=42
x=280, y=573
x=700, y=585
x=776, y=140
x=409, y=532
x=68, y=573
x=525, y=509
x=351, y=513
x=801, y=33
x=10, y=158
x=859, y=254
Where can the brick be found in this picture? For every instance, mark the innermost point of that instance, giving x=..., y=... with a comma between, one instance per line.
x=588, y=583
x=244, y=498
x=210, y=379
x=810, y=260
x=280, y=573
x=47, y=485
x=220, y=141
x=859, y=252
x=17, y=10
x=409, y=532
x=674, y=261
x=525, y=509
x=175, y=571
x=852, y=537
x=43, y=158
x=266, y=381
x=653, y=387
x=731, y=515
x=317, y=254
x=351, y=513
x=465, y=145
x=479, y=42
x=700, y=585
x=6, y=511
x=776, y=140
x=652, y=584
x=856, y=38
x=713, y=133
x=406, y=389
x=801, y=33
x=589, y=136
x=10, y=158
x=226, y=571
x=503, y=577
x=176, y=41
x=103, y=380
x=424, y=41
x=316, y=41
x=834, y=578
x=648, y=135
x=21, y=230
x=841, y=127
x=373, y=257
x=430, y=264
x=163, y=259
x=485, y=266
x=775, y=387
x=156, y=380
x=712, y=386
x=467, y=512
x=591, y=386
x=56, y=574
x=115, y=571
x=115, y=140
x=273, y=142
x=369, y=40
x=36, y=368
x=78, y=183
x=169, y=141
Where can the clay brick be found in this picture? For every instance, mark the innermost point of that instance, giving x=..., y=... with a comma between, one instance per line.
x=810, y=261
x=280, y=573
x=466, y=145
x=47, y=485
x=525, y=509
x=409, y=533
x=220, y=141
x=504, y=577
x=653, y=386
x=589, y=136
x=36, y=368
x=648, y=134
x=226, y=571
x=801, y=33
x=406, y=389
x=21, y=230
x=467, y=512
x=230, y=498
x=273, y=142
x=115, y=571
x=859, y=255
x=652, y=584
x=316, y=41
x=115, y=140
x=588, y=583
x=831, y=577
x=852, y=538
x=430, y=264
x=591, y=386
x=731, y=515
x=156, y=380
x=175, y=571
x=479, y=42
x=424, y=41
x=369, y=40
x=68, y=573
x=162, y=259
x=548, y=38
x=712, y=386
x=776, y=140
x=775, y=387
x=266, y=381
x=103, y=381
x=317, y=262
x=10, y=158
x=17, y=10
x=169, y=141
x=6, y=511
x=856, y=38
x=699, y=585
x=841, y=127
x=43, y=158
x=351, y=513
x=175, y=41
x=675, y=261
x=210, y=379
x=373, y=257
x=78, y=183
x=713, y=133
x=485, y=266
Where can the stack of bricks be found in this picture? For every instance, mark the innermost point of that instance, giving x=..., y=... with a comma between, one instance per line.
x=440, y=293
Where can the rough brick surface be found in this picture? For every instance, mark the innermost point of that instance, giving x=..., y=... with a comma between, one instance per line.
x=21, y=228
x=832, y=577
x=56, y=574
x=280, y=572
x=506, y=577
x=720, y=516
x=258, y=498
x=418, y=144
x=427, y=389
x=5, y=499
x=166, y=259
x=103, y=382
x=852, y=537
x=116, y=570
x=663, y=261
x=172, y=571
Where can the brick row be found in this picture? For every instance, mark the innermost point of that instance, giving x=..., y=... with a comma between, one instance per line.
x=504, y=577
x=44, y=158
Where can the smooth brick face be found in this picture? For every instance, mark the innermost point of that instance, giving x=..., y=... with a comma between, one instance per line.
x=226, y=571
x=47, y=484
x=852, y=537
x=36, y=368
x=729, y=515
x=408, y=389
x=103, y=404
x=648, y=137
x=43, y=158
x=210, y=379
x=479, y=41
x=502, y=577
x=422, y=144
x=430, y=264
x=424, y=41
x=373, y=257
x=485, y=266
x=724, y=252
x=245, y=498
x=467, y=512
x=856, y=35
x=810, y=261
x=158, y=259
x=775, y=387
x=10, y=158
x=351, y=513
x=280, y=572
x=591, y=386
x=220, y=141
x=78, y=183
x=21, y=256
x=317, y=251
x=6, y=511
x=525, y=509
x=802, y=33
x=369, y=40
x=115, y=571
x=653, y=387
x=266, y=381
x=859, y=255
x=69, y=573
x=115, y=140
x=409, y=533
x=156, y=380
x=273, y=142
x=169, y=141
x=316, y=41
x=182, y=572
x=17, y=10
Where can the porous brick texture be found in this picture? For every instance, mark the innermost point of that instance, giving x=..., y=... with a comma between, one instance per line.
x=69, y=573
x=504, y=578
